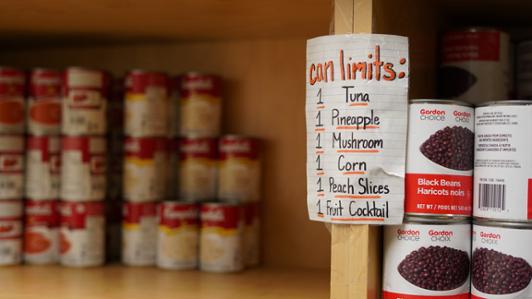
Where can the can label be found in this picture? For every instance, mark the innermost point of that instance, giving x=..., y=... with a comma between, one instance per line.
x=145, y=167
x=503, y=171
x=426, y=261
x=501, y=264
x=12, y=105
x=84, y=103
x=44, y=111
x=82, y=234
x=83, y=168
x=439, y=163
x=239, y=170
x=200, y=105
x=178, y=239
x=197, y=169
x=221, y=238
x=43, y=167
x=146, y=105
x=139, y=228
x=251, y=234
x=11, y=167
x=10, y=232
x=41, y=231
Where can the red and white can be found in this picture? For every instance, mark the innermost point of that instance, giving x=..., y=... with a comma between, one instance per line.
x=427, y=258
x=139, y=233
x=44, y=102
x=178, y=238
x=43, y=167
x=251, y=234
x=11, y=167
x=145, y=167
x=84, y=102
x=439, y=158
x=221, y=237
x=200, y=105
x=83, y=168
x=475, y=65
x=12, y=104
x=82, y=235
x=10, y=232
x=197, y=164
x=41, y=231
x=146, y=104
x=239, y=170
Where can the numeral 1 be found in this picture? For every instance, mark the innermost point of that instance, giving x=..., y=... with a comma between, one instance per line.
x=318, y=117
x=320, y=102
x=318, y=160
x=318, y=140
x=320, y=189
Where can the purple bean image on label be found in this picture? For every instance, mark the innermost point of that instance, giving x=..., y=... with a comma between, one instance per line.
x=437, y=268
x=450, y=147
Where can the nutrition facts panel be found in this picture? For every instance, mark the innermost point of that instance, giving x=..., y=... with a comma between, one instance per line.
x=356, y=109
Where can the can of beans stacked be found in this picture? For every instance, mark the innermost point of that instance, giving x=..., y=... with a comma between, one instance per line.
x=197, y=173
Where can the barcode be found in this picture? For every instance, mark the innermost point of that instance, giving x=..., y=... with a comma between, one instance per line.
x=492, y=197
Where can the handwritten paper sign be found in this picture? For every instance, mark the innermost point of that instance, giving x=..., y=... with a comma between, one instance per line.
x=357, y=100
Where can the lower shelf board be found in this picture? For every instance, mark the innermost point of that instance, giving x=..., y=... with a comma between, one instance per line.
x=115, y=281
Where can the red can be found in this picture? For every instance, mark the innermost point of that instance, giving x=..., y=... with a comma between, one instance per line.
x=44, y=102
x=139, y=233
x=41, y=231
x=12, y=106
x=43, y=167
x=197, y=169
x=10, y=232
x=11, y=167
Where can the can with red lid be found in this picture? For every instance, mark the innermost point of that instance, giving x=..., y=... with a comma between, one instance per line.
x=82, y=233
x=239, y=170
x=11, y=167
x=10, y=232
x=84, y=102
x=139, y=233
x=44, y=102
x=41, y=231
x=251, y=235
x=200, y=104
x=197, y=169
x=83, y=168
x=12, y=105
x=43, y=167
x=145, y=166
x=221, y=237
x=178, y=237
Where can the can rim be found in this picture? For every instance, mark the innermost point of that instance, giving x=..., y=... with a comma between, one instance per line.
x=440, y=101
x=84, y=68
x=437, y=219
x=502, y=223
x=506, y=103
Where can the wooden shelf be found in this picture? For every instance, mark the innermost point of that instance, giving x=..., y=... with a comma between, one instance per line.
x=114, y=282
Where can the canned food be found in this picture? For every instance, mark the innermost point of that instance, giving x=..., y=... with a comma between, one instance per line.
x=524, y=70
x=197, y=169
x=503, y=176
x=427, y=258
x=83, y=168
x=145, y=167
x=41, y=231
x=221, y=237
x=82, y=233
x=12, y=106
x=439, y=161
x=177, y=243
x=251, y=234
x=200, y=105
x=239, y=171
x=85, y=102
x=11, y=167
x=475, y=65
x=44, y=103
x=139, y=233
x=43, y=167
x=10, y=232
x=501, y=260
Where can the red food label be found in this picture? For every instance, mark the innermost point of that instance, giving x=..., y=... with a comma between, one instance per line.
x=138, y=81
x=88, y=146
x=11, y=163
x=467, y=46
x=238, y=147
x=133, y=212
x=42, y=213
x=176, y=214
x=74, y=214
x=145, y=148
x=47, y=145
x=189, y=84
x=224, y=216
x=390, y=295
x=198, y=148
x=12, y=82
x=45, y=83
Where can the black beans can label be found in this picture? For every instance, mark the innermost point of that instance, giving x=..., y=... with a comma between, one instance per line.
x=427, y=260
x=503, y=163
x=439, y=163
x=502, y=261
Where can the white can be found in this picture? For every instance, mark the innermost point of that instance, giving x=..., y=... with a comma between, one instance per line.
x=524, y=70
x=43, y=167
x=145, y=167
x=84, y=102
x=82, y=234
x=139, y=233
x=178, y=240
x=221, y=237
x=11, y=167
x=502, y=260
x=83, y=168
x=44, y=102
x=10, y=232
x=427, y=258
x=12, y=104
x=197, y=165
x=41, y=231
x=503, y=164
x=251, y=234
